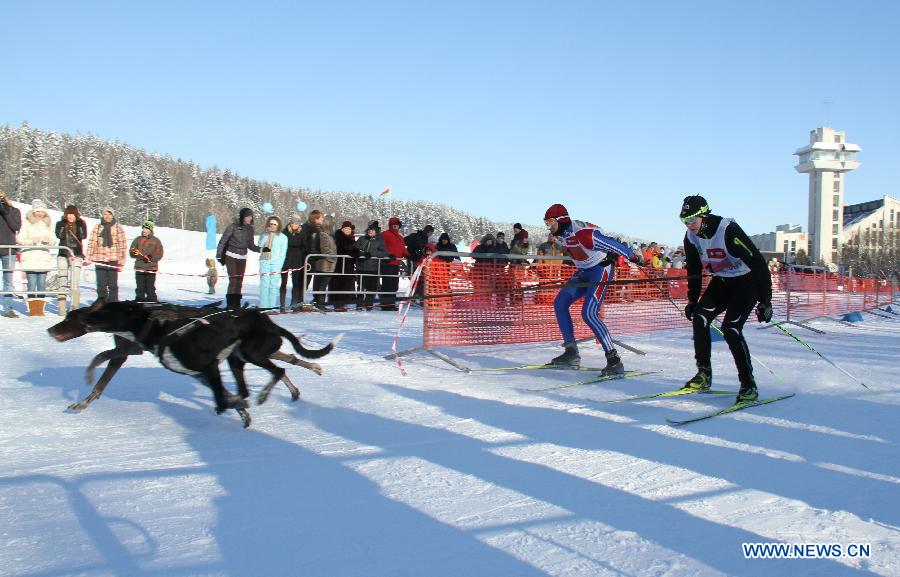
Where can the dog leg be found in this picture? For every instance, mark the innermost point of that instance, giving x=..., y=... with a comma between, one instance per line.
x=224, y=399
x=237, y=369
x=277, y=374
x=99, y=360
x=111, y=369
x=294, y=360
x=295, y=392
x=245, y=416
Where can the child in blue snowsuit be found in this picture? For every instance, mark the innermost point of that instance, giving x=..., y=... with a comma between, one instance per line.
x=273, y=249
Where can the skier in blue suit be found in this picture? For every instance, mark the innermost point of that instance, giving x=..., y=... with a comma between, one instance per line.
x=594, y=254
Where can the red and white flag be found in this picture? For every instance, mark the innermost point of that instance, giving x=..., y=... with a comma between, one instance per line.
x=386, y=192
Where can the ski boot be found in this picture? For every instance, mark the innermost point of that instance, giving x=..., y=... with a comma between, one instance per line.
x=701, y=381
x=747, y=392
x=569, y=358
x=614, y=366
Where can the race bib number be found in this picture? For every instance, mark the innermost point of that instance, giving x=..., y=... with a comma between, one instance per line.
x=715, y=253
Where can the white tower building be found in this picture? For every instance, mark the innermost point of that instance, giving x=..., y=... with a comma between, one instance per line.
x=826, y=158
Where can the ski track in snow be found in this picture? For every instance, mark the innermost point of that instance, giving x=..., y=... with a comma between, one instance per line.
x=443, y=473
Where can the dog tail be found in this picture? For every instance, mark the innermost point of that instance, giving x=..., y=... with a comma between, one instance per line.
x=308, y=353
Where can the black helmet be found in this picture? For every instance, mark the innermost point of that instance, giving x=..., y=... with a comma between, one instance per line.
x=693, y=206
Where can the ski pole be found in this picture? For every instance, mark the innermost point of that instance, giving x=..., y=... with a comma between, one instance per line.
x=829, y=361
x=752, y=358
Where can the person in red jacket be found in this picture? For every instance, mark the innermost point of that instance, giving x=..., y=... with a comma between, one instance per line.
x=390, y=270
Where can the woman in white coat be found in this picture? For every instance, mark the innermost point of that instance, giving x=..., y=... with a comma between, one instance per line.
x=36, y=260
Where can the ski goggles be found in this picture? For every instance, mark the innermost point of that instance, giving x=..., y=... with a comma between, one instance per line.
x=688, y=219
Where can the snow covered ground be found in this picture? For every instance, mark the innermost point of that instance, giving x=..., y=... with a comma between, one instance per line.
x=443, y=473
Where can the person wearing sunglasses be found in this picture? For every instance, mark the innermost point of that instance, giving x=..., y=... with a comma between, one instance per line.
x=594, y=255
x=717, y=246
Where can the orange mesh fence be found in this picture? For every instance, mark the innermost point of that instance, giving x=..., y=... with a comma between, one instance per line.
x=486, y=303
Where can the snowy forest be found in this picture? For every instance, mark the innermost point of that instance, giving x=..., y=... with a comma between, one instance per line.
x=93, y=173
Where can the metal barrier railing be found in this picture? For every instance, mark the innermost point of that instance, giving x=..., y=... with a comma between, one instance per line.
x=360, y=292
x=69, y=289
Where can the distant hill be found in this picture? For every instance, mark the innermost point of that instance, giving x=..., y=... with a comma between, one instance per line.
x=92, y=173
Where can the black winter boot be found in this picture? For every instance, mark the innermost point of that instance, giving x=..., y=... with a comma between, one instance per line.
x=569, y=358
x=748, y=391
x=614, y=366
x=701, y=381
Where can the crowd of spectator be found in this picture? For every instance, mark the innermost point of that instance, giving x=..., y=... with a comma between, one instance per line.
x=347, y=269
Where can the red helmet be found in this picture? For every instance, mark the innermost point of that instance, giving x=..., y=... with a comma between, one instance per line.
x=558, y=212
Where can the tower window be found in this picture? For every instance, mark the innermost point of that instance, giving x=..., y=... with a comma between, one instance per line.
x=837, y=215
x=837, y=186
x=834, y=228
x=837, y=200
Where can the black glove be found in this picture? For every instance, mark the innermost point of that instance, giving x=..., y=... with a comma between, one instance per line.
x=221, y=261
x=764, y=312
x=265, y=249
x=689, y=311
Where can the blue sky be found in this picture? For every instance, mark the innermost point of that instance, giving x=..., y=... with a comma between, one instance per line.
x=616, y=109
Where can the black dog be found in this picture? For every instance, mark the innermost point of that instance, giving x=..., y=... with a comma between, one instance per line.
x=189, y=340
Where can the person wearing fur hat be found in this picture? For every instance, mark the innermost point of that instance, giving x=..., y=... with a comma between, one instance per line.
x=390, y=270
x=147, y=251
x=106, y=249
x=71, y=230
x=231, y=252
x=371, y=251
x=36, y=262
x=10, y=224
x=343, y=284
x=292, y=269
x=273, y=249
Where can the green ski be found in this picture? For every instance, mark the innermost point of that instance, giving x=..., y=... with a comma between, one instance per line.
x=731, y=409
x=675, y=393
x=597, y=379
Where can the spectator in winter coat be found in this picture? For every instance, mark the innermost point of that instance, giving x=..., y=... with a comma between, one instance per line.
x=36, y=262
x=293, y=263
x=272, y=252
x=71, y=231
x=487, y=268
x=321, y=243
x=106, y=249
x=415, y=246
x=390, y=280
x=488, y=245
x=343, y=284
x=520, y=244
x=232, y=254
x=10, y=224
x=371, y=251
x=551, y=270
x=147, y=251
x=445, y=245
x=500, y=246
